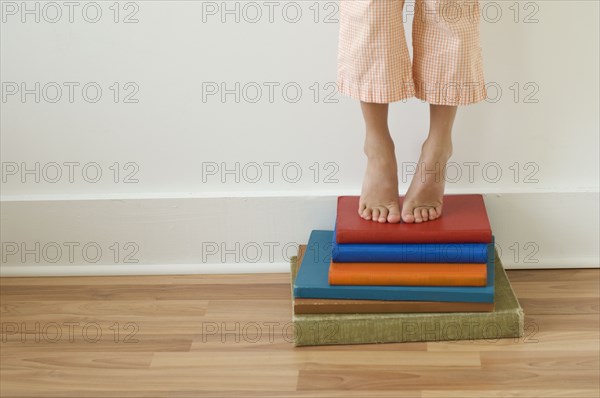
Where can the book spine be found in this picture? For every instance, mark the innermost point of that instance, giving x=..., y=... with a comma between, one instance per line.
x=378, y=328
x=407, y=274
x=357, y=237
x=366, y=307
x=410, y=253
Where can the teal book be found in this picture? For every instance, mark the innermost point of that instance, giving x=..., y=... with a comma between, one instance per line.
x=505, y=321
x=313, y=280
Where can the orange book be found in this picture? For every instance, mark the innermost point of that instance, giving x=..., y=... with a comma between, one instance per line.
x=408, y=274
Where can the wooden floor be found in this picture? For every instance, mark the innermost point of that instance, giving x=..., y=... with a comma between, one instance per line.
x=230, y=336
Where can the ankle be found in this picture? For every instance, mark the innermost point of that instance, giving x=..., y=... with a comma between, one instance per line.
x=436, y=146
x=377, y=145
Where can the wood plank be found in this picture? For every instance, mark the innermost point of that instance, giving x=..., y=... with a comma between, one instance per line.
x=355, y=378
x=560, y=306
x=571, y=360
x=559, y=323
x=545, y=393
x=261, y=291
x=136, y=343
x=26, y=310
x=553, y=275
x=557, y=289
x=27, y=360
x=207, y=279
x=101, y=382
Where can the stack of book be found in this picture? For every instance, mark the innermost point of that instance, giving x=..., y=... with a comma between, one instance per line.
x=371, y=282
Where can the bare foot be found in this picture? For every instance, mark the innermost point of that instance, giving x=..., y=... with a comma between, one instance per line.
x=379, y=196
x=423, y=200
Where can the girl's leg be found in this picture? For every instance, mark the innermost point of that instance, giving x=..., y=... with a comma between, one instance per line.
x=423, y=200
x=379, y=196
x=374, y=67
x=447, y=72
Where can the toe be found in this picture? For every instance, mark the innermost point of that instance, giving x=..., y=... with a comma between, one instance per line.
x=408, y=216
x=367, y=214
x=417, y=215
x=425, y=214
x=432, y=214
x=361, y=209
x=383, y=214
x=393, y=214
x=375, y=214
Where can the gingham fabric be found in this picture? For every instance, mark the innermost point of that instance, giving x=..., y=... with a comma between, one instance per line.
x=374, y=64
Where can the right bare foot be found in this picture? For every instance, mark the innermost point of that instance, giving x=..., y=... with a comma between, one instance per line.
x=379, y=196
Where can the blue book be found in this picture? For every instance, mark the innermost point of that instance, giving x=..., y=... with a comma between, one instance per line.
x=312, y=280
x=409, y=252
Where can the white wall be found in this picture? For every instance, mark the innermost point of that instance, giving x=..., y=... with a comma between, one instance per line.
x=172, y=142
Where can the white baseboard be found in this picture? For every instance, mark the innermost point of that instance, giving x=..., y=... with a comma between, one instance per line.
x=252, y=234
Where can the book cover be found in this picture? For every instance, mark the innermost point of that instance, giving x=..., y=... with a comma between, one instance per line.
x=407, y=274
x=312, y=280
x=505, y=321
x=348, y=306
x=464, y=220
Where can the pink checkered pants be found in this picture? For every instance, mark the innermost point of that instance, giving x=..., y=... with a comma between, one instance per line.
x=374, y=64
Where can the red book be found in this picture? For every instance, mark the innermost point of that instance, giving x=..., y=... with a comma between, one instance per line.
x=464, y=220
x=408, y=274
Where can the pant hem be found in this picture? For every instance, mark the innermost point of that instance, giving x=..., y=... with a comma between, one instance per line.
x=450, y=94
x=445, y=94
x=379, y=95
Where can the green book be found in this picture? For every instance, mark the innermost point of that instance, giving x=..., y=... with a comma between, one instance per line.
x=506, y=321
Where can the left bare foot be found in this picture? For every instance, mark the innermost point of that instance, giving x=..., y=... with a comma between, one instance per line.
x=423, y=200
